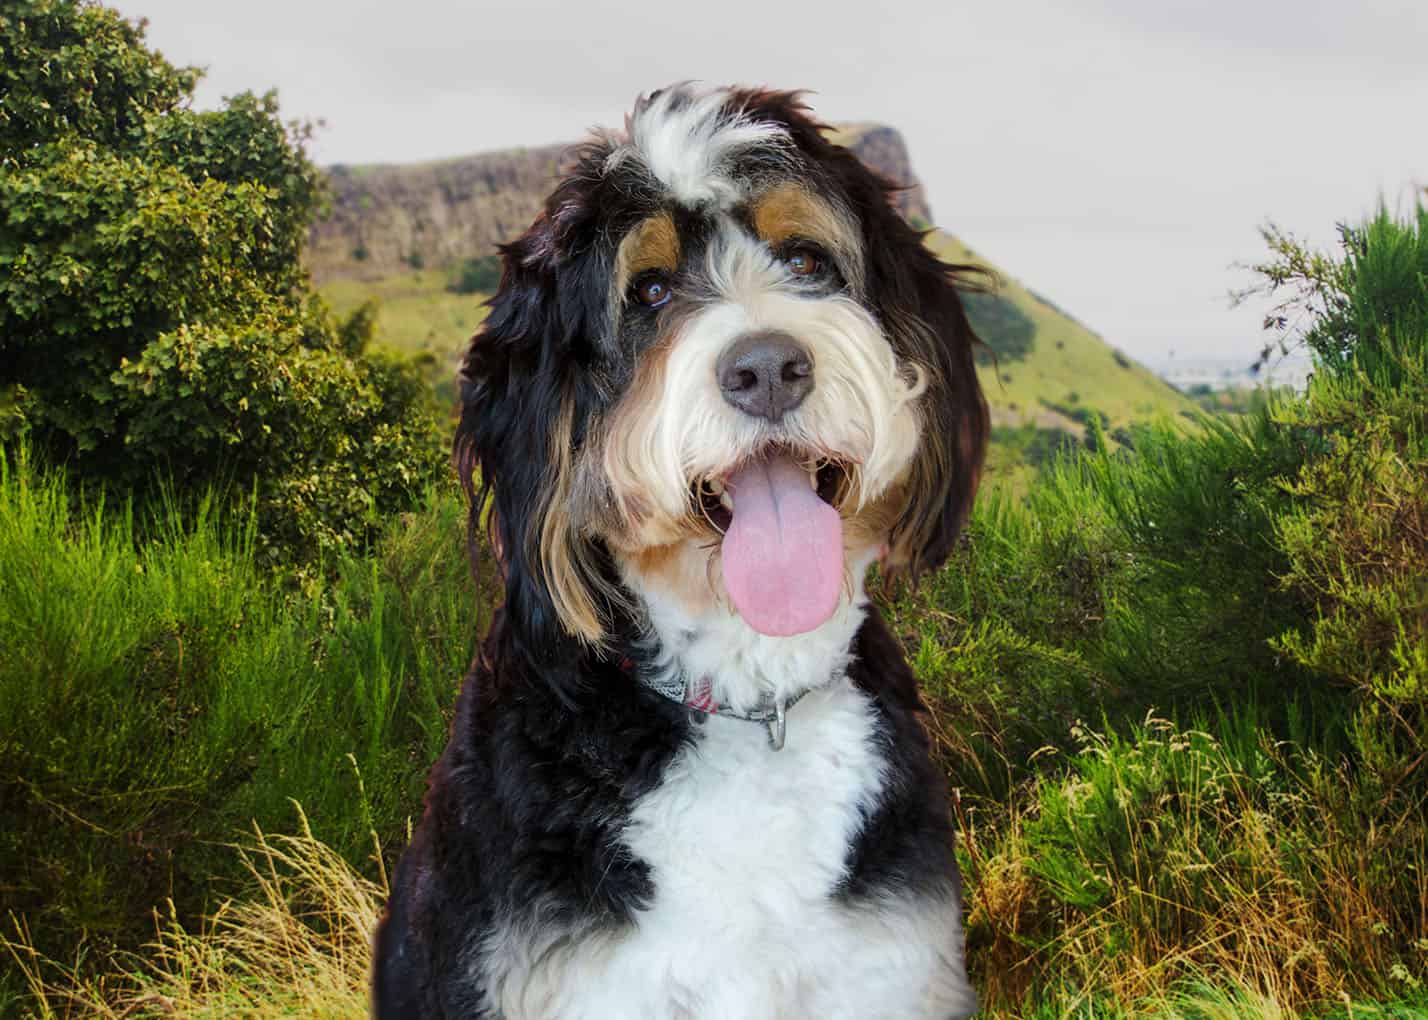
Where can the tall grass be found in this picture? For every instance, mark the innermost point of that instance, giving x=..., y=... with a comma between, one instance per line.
x=298, y=944
x=158, y=692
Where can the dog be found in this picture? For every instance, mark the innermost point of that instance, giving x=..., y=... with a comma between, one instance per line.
x=688, y=775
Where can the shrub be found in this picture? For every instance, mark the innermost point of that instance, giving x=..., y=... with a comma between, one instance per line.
x=1005, y=330
x=154, y=313
x=477, y=275
x=1357, y=534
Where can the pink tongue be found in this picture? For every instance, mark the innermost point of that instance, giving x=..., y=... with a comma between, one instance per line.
x=783, y=552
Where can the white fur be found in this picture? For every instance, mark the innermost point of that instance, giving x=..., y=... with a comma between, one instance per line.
x=747, y=848
x=863, y=406
x=685, y=137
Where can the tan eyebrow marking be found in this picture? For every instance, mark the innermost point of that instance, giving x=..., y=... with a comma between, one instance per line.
x=652, y=244
x=788, y=210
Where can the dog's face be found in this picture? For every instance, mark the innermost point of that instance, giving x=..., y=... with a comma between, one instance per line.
x=719, y=368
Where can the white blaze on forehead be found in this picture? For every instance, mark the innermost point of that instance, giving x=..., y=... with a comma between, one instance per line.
x=685, y=139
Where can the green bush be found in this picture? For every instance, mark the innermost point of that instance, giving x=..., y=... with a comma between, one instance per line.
x=154, y=313
x=1358, y=529
x=477, y=275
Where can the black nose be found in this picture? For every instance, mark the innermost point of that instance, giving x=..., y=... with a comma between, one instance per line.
x=765, y=374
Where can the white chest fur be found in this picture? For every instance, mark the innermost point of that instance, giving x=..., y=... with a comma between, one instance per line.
x=747, y=847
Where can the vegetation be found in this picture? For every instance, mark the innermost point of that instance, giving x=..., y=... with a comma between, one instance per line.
x=1007, y=333
x=1235, y=399
x=478, y=275
x=1178, y=678
x=154, y=313
x=1179, y=690
x=160, y=691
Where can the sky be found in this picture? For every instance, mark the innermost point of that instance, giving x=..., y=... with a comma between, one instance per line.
x=1117, y=156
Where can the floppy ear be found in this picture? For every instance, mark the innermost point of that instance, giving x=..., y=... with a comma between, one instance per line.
x=915, y=296
x=527, y=396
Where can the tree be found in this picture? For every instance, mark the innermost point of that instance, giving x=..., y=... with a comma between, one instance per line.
x=154, y=311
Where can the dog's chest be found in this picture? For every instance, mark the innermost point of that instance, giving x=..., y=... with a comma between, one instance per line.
x=747, y=847
x=745, y=836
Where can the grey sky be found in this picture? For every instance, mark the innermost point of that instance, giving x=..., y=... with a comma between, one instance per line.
x=1116, y=156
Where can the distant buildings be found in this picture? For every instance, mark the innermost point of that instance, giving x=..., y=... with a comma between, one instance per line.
x=1233, y=373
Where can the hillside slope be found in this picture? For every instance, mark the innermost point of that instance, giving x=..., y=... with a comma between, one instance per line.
x=1069, y=365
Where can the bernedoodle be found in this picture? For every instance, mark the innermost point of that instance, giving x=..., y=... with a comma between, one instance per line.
x=688, y=777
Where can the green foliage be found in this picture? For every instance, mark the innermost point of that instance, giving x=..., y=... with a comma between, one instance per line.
x=1236, y=399
x=78, y=69
x=1358, y=529
x=1357, y=311
x=1264, y=577
x=477, y=275
x=1000, y=324
x=1028, y=444
x=158, y=692
x=154, y=313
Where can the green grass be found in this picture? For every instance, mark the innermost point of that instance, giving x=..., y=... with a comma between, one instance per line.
x=416, y=313
x=159, y=690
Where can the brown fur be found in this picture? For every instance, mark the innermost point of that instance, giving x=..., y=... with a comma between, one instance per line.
x=558, y=545
x=652, y=244
x=789, y=211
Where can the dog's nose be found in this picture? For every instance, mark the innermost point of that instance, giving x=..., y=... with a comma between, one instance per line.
x=765, y=374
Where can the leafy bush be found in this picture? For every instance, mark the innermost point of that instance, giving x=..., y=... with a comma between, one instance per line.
x=154, y=313
x=478, y=275
x=1357, y=535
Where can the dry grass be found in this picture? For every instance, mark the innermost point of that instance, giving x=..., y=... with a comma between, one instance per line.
x=299, y=946
x=1158, y=861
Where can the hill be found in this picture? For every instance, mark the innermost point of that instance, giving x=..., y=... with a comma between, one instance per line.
x=393, y=231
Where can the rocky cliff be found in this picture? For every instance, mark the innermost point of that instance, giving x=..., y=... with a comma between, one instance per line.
x=388, y=218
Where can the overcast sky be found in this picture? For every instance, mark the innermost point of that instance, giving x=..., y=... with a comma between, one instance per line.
x=1116, y=156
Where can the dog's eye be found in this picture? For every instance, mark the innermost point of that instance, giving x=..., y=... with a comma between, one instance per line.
x=803, y=262
x=652, y=290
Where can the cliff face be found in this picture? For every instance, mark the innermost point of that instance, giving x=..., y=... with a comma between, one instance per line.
x=388, y=218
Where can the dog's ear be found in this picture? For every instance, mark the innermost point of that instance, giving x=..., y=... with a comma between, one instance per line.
x=527, y=397
x=915, y=296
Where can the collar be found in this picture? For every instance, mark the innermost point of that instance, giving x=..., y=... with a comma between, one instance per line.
x=699, y=696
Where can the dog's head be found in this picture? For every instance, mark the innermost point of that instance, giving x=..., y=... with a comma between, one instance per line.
x=721, y=368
